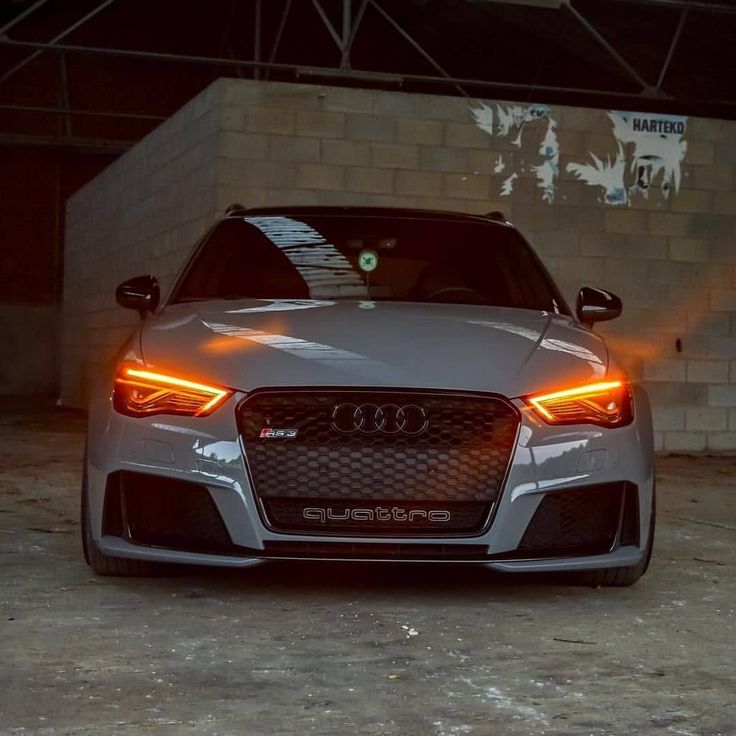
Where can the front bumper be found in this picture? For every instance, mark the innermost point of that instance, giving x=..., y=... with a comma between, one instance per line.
x=207, y=451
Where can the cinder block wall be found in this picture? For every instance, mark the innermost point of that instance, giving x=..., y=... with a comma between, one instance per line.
x=670, y=257
x=28, y=360
x=140, y=215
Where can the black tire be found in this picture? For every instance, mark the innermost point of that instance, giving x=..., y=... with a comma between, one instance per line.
x=104, y=564
x=624, y=576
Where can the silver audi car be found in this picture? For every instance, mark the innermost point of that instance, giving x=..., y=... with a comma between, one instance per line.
x=368, y=384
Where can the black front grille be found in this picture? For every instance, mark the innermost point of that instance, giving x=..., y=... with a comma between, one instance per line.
x=460, y=457
x=163, y=512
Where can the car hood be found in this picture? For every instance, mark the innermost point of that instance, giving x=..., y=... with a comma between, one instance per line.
x=258, y=343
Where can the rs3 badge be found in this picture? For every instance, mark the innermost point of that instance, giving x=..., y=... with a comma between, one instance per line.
x=268, y=433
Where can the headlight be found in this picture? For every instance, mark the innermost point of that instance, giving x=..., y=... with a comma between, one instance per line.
x=140, y=392
x=606, y=404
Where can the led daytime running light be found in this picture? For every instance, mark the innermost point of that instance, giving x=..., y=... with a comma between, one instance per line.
x=164, y=393
x=593, y=390
x=579, y=406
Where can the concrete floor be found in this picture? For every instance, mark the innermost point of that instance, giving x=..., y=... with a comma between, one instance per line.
x=364, y=649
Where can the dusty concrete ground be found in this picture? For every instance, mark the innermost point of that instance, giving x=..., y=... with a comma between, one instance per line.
x=356, y=649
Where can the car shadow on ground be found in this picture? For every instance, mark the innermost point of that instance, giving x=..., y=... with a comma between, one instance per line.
x=341, y=581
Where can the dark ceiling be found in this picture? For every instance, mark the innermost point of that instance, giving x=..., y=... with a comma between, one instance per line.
x=99, y=74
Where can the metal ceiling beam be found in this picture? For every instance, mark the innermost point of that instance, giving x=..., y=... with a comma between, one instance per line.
x=18, y=18
x=349, y=27
x=279, y=32
x=356, y=24
x=352, y=74
x=671, y=51
x=257, y=40
x=548, y=4
x=347, y=21
x=345, y=75
x=64, y=95
x=714, y=7
x=689, y=4
x=77, y=145
x=344, y=40
x=54, y=40
x=88, y=113
x=327, y=23
x=606, y=45
x=407, y=36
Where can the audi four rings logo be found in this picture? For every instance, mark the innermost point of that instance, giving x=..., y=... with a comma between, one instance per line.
x=387, y=419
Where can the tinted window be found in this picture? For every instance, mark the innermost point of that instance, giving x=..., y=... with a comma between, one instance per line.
x=378, y=258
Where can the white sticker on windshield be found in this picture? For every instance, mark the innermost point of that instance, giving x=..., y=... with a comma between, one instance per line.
x=368, y=260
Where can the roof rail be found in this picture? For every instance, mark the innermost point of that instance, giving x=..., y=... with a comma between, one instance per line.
x=234, y=207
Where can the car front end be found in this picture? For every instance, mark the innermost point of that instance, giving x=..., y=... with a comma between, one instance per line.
x=233, y=431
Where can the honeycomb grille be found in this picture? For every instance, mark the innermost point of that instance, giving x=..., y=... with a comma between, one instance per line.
x=578, y=521
x=461, y=455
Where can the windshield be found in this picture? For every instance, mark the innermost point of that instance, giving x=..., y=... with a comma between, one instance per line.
x=332, y=257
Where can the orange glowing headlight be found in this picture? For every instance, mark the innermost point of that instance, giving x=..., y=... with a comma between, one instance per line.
x=140, y=392
x=607, y=404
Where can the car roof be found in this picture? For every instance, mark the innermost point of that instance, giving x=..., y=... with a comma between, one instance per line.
x=398, y=212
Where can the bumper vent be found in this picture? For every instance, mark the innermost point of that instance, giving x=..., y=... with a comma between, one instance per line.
x=582, y=521
x=163, y=512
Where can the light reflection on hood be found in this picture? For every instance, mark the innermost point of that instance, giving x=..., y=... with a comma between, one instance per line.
x=312, y=351
x=286, y=305
x=527, y=332
x=548, y=343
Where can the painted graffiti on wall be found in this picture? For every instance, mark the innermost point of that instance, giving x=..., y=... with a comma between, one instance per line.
x=533, y=132
x=649, y=150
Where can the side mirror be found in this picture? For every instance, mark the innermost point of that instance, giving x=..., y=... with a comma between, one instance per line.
x=596, y=305
x=141, y=293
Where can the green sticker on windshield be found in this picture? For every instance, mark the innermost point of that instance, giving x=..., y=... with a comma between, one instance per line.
x=368, y=260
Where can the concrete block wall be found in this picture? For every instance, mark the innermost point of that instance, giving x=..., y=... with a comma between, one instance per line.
x=671, y=259
x=141, y=215
x=28, y=360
